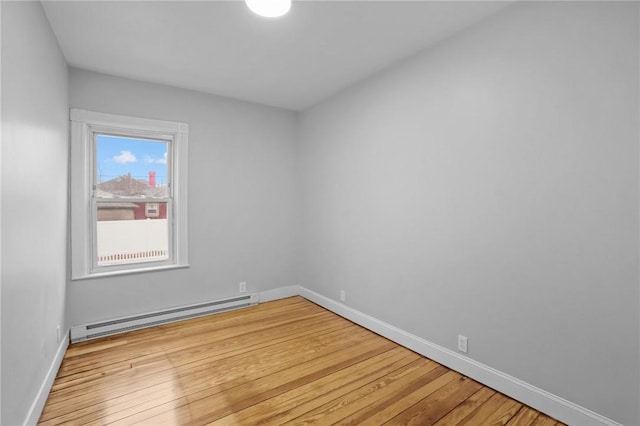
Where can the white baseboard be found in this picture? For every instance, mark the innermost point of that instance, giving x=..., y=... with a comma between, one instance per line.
x=119, y=325
x=279, y=293
x=541, y=400
x=43, y=393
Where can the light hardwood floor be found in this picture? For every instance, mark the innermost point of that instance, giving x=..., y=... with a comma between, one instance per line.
x=283, y=362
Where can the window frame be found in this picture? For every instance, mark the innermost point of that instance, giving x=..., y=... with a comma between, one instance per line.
x=85, y=125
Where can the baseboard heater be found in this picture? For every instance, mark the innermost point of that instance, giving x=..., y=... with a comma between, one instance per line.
x=122, y=325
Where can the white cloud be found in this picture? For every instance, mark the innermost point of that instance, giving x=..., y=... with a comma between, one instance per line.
x=125, y=157
x=163, y=160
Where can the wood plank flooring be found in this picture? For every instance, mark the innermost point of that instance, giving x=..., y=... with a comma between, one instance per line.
x=283, y=362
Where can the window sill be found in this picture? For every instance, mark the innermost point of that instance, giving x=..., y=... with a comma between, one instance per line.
x=129, y=272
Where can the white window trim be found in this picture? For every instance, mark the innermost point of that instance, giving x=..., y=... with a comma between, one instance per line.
x=83, y=126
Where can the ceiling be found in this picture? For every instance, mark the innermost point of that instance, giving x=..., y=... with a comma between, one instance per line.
x=220, y=47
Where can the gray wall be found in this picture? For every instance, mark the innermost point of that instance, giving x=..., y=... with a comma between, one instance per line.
x=489, y=187
x=242, y=198
x=35, y=147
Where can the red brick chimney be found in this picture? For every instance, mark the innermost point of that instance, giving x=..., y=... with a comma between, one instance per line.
x=152, y=179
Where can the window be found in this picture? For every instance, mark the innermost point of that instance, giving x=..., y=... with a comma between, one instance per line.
x=128, y=194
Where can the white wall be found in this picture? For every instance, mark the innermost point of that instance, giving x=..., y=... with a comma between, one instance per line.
x=242, y=199
x=131, y=241
x=35, y=148
x=489, y=187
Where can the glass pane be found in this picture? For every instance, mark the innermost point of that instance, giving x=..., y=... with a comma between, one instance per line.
x=131, y=232
x=131, y=167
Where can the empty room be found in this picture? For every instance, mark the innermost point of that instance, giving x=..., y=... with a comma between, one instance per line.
x=320, y=212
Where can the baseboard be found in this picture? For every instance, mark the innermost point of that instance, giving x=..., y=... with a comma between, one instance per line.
x=541, y=400
x=43, y=393
x=165, y=316
x=279, y=293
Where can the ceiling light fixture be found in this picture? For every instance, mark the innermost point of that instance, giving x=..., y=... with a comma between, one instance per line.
x=269, y=8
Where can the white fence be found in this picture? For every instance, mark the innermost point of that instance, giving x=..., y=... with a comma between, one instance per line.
x=132, y=241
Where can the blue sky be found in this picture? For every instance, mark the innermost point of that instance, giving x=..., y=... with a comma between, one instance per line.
x=117, y=156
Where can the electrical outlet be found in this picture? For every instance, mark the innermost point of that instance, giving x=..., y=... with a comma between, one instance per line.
x=242, y=287
x=462, y=343
x=343, y=295
x=59, y=337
